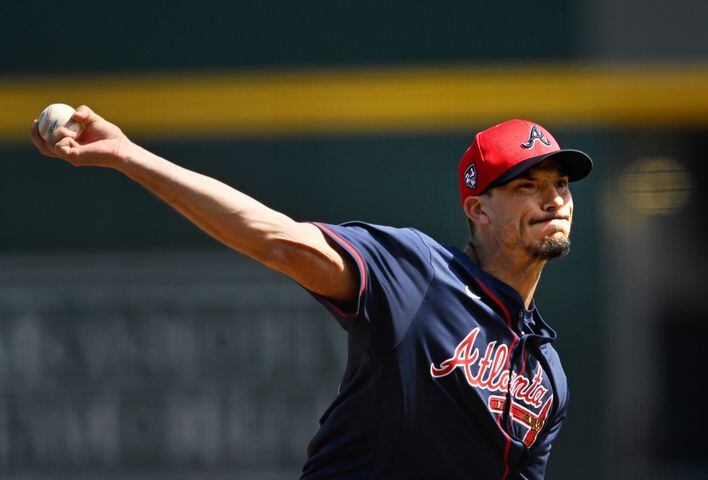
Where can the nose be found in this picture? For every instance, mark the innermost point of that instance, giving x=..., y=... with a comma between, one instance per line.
x=553, y=199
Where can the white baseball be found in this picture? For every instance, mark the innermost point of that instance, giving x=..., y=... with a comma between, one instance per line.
x=57, y=115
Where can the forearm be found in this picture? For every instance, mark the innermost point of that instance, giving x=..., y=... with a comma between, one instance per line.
x=226, y=214
x=298, y=250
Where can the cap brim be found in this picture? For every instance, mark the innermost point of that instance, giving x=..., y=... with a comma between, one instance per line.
x=576, y=164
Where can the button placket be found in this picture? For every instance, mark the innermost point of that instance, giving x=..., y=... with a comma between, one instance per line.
x=522, y=317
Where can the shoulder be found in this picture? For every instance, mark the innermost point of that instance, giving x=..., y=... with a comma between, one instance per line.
x=371, y=236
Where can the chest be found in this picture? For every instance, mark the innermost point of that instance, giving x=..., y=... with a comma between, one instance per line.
x=472, y=360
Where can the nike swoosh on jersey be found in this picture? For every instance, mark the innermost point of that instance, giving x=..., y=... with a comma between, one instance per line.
x=472, y=295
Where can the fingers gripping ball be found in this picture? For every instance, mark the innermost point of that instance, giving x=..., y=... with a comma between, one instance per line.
x=57, y=115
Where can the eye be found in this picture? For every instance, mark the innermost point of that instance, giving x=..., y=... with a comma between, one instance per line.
x=562, y=183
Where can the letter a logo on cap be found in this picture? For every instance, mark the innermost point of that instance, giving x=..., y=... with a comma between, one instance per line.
x=536, y=135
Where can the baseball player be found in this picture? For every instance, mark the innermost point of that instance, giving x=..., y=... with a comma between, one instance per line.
x=451, y=371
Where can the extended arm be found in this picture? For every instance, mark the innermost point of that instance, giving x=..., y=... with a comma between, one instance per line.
x=299, y=250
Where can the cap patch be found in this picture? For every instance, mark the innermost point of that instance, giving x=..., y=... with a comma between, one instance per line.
x=534, y=135
x=471, y=177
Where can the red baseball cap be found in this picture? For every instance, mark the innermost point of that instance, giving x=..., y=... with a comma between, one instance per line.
x=502, y=152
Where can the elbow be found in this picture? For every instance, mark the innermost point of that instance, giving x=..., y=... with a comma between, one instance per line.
x=274, y=254
x=302, y=253
x=283, y=254
x=304, y=263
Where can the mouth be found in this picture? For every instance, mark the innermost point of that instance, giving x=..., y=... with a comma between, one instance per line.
x=551, y=226
x=549, y=221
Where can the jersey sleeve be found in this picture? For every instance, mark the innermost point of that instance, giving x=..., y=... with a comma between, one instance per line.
x=395, y=271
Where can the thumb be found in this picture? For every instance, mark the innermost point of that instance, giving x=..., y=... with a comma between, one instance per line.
x=85, y=115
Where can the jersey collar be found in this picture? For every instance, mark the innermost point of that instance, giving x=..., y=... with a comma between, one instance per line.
x=523, y=320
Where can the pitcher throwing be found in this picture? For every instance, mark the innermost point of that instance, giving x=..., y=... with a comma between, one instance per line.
x=451, y=371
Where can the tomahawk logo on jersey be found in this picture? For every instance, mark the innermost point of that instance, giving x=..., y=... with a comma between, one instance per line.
x=448, y=375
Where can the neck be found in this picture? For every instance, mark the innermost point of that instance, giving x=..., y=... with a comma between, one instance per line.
x=521, y=273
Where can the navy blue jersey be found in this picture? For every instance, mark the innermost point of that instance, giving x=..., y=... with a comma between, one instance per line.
x=448, y=375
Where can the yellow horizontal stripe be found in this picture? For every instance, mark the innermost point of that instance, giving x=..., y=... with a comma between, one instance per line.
x=375, y=100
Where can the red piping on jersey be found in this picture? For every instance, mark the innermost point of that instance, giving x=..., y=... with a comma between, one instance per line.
x=508, y=368
x=360, y=264
x=498, y=302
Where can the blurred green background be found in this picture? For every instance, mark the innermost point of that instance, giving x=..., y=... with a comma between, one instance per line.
x=134, y=346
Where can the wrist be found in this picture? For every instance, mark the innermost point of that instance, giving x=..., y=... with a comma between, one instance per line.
x=126, y=154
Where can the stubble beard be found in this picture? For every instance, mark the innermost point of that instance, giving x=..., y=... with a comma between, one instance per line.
x=549, y=248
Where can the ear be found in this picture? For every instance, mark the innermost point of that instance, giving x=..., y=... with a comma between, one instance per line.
x=475, y=209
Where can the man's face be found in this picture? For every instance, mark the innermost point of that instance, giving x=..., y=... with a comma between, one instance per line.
x=532, y=214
